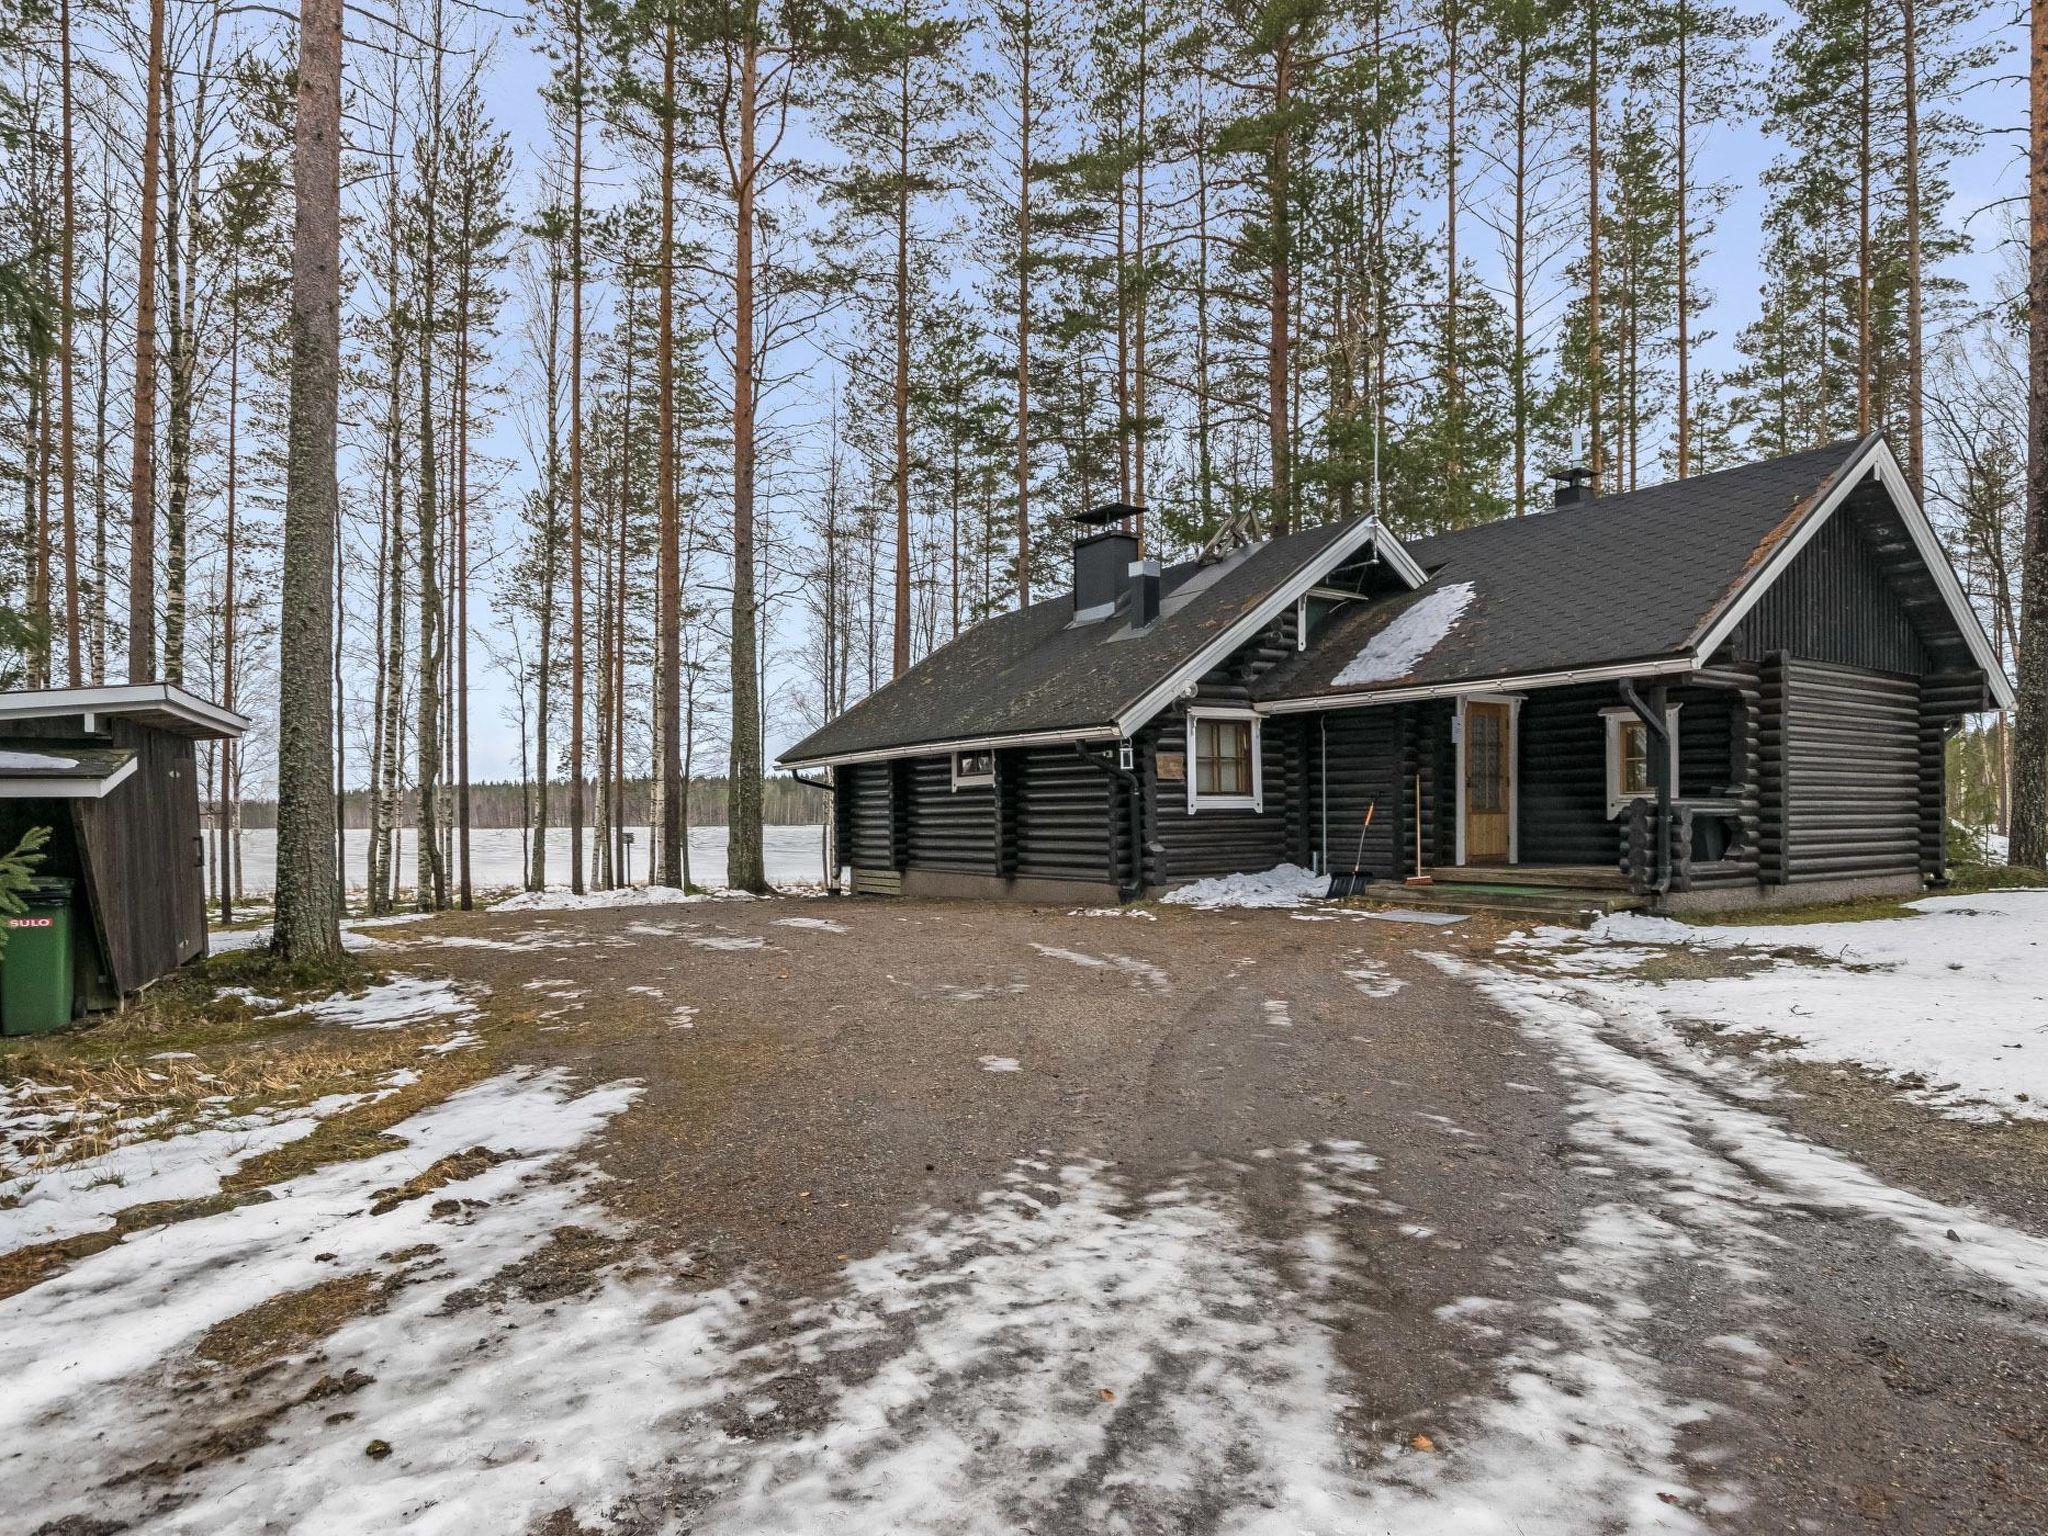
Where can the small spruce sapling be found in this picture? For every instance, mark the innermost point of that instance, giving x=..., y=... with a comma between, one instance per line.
x=17, y=871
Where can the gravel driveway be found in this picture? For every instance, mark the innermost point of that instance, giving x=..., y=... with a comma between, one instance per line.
x=966, y=1218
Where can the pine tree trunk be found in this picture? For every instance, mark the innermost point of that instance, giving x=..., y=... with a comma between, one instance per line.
x=2030, y=733
x=431, y=894
x=743, y=862
x=1024, y=173
x=1597, y=461
x=142, y=437
x=576, y=618
x=900, y=656
x=1863, y=273
x=67, y=272
x=308, y=924
x=668, y=682
x=178, y=365
x=1279, y=312
x=1682, y=170
x=1916, y=371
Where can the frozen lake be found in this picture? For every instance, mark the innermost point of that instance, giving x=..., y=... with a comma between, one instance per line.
x=794, y=855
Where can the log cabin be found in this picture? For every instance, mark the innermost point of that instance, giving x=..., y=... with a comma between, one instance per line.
x=1730, y=690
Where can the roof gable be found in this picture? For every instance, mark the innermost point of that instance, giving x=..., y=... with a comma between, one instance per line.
x=1034, y=674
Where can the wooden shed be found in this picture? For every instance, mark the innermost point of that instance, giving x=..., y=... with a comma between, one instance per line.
x=111, y=771
x=1732, y=689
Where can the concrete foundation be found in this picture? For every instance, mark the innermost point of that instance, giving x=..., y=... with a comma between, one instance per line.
x=1804, y=893
x=952, y=885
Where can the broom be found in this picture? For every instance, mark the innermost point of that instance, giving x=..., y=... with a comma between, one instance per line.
x=1354, y=884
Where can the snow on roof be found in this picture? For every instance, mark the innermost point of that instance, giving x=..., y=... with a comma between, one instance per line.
x=1392, y=653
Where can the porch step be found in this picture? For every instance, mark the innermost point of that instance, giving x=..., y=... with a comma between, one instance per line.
x=1599, y=877
x=1554, y=903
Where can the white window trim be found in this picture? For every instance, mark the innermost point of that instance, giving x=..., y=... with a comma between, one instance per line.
x=1514, y=752
x=1615, y=717
x=971, y=780
x=1256, y=800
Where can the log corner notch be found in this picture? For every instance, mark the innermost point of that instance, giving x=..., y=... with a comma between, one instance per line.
x=1655, y=723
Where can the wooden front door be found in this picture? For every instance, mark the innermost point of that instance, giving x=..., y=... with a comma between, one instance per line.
x=1489, y=759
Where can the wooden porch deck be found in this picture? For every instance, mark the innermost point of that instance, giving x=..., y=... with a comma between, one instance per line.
x=1568, y=893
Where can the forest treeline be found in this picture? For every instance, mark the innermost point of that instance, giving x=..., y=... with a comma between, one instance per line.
x=509, y=803
x=663, y=376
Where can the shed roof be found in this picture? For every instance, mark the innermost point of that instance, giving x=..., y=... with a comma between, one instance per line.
x=39, y=768
x=162, y=706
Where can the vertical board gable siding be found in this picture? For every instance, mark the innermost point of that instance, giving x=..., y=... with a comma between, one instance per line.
x=1834, y=604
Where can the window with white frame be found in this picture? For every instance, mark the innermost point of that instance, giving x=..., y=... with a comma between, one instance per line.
x=974, y=767
x=1630, y=775
x=1223, y=760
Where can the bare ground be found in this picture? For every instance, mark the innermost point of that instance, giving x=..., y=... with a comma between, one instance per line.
x=817, y=1093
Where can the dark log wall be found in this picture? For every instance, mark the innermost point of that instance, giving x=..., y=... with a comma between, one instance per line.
x=1064, y=810
x=1852, y=773
x=864, y=815
x=1833, y=604
x=1563, y=790
x=1944, y=699
x=1356, y=758
x=949, y=828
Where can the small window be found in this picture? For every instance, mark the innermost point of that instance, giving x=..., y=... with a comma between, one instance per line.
x=1629, y=774
x=1225, y=753
x=974, y=768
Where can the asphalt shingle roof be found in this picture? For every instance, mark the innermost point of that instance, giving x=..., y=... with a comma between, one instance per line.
x=1033, y=670
x=1623, y=578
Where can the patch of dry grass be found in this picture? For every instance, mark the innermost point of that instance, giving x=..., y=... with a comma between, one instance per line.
x=292, y=1321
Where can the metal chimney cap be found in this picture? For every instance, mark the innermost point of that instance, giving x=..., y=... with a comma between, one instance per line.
x=1108, y=512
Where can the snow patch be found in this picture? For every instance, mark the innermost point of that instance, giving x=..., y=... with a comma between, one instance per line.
x=34, y=762
x=1953, y=1000
x=1417, y=630
x=1370, y=979
x=1142, y=972
x=1000, y=1064
x=816, y=924
x=558, y=898
x=1284, y=885
x=394, y=1004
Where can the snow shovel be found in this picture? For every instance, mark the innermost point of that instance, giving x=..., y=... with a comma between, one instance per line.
x=1354, y=884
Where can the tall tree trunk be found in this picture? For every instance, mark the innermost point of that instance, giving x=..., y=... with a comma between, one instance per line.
x=1682, y=170
x=1024, y=173
x=1916, y=372
x=2030, y=734
x=465, y=887
x=224, y=859
x=432, y=878
x=142, y=452
x=668, y=576
x=1597, y=462
x=576, y=618
x=743, y=862
x=1863, y=273
x=1279, y=311
x=179, y=365
x=67, y=273
x=900, y=655
x=308, y=925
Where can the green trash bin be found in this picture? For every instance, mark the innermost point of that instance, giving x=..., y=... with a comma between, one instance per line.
x=35, y=967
